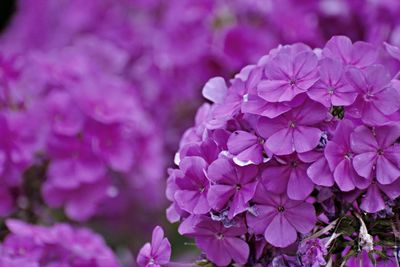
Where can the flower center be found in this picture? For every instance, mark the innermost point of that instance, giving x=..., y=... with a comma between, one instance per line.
x=294, y=163
x=380, y=151
x=238, y=187
x=291, y=124
x=331, y=90
x=292, y=82
x=368, y=96
x=281, y=208
x=219, y=236
x=348, y=155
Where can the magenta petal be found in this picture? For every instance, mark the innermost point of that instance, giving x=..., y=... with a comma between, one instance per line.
x=219, y=195
x=241, y=140
x=373, y=201
x=320, y=173
x=391, y=190
x=144, y=255
x=275, y=178
x=280, y=233
x=343, y=175
x=238, y=250
x=275, y=90
x=386, y=171
x=387, y=135
x=215, y=250
x=394, y=51
x=299, y=185
x=387, y=102
x=306, y=138
x=302, y=217
x=215, y=90
x=364, y=163
x=281, y=143
x=264, y=216
x=252, y=155
x=362, y=140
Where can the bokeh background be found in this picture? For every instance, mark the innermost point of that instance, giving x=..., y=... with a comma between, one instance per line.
x=95, y=95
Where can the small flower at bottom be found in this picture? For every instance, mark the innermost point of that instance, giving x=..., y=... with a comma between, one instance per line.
x=157, y=253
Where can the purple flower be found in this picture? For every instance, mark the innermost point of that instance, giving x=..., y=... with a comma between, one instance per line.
x=221, y=245
x=296, y=130
x=340, y=157
x=359, y=54
x=231, y=183
x=252, y=103
x=279, y=218
x=376, y=150
x=332, y=89
x=312, y=252
x=377, y=99
x=289, y=73
x=192, y=186
x=157, y=253
x=288, y=176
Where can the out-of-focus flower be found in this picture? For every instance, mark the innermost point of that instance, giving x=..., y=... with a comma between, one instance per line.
x=60, y=244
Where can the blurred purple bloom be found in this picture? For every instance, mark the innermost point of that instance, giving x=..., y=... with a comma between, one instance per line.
x=59, y=245
x=157, y=253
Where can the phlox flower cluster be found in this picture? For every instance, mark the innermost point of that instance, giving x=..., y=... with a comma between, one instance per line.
x=293, y=144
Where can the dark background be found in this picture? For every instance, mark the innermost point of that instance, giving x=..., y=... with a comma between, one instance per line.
x=7, y=9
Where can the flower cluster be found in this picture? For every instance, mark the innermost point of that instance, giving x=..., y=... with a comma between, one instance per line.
x=60, y=245
x=291, y=145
